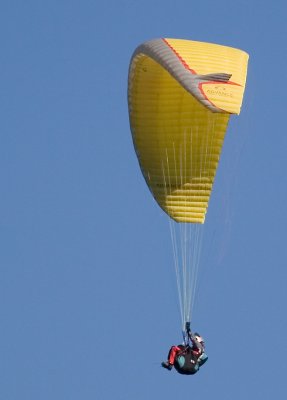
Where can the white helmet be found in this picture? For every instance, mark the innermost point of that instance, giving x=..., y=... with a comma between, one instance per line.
x=198, y=338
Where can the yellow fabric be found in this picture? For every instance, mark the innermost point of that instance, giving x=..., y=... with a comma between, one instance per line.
x=206, y=58
x=177, y=139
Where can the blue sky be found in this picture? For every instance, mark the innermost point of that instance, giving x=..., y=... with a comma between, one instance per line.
x=88, y=304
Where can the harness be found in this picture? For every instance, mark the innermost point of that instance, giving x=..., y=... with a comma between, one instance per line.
x=186, y=361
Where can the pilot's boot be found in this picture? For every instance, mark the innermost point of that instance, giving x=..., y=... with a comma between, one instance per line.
x=166, y=365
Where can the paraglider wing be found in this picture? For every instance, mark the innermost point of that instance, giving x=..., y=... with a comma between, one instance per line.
x=181, y=94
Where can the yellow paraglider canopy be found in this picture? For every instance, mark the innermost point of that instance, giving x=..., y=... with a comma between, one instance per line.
x=181, y=94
